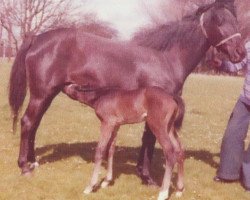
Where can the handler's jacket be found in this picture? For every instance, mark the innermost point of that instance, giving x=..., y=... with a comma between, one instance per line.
x=231, y=67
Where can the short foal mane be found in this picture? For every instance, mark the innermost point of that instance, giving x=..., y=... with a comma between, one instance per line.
x=185, y=33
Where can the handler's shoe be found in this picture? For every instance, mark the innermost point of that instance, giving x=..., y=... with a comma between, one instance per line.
x=221, y=180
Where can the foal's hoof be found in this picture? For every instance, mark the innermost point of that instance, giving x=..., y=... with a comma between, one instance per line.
x=163, y=195
x=88, y=190
x=179, y=193
x=106, y=183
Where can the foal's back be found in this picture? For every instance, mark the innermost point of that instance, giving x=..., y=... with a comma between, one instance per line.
x=133, y=106
x=122, y=106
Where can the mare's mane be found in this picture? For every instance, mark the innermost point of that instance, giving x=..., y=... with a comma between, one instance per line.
x=184, y=33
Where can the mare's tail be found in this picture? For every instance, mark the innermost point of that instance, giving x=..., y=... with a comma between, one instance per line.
x=17, y=82
x=181, y=111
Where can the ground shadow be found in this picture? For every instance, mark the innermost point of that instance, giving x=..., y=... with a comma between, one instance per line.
x=125, y=157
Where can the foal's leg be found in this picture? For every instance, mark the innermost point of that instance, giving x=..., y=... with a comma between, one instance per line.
x=29, y=124
x=111, y=150
x=106, y=132
x=180, y=160
x=162, y=136
x=169, y=165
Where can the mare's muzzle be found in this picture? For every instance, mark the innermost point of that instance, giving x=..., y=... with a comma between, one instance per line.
x=233, y=48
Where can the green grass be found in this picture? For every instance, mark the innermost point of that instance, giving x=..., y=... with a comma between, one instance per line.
x=68, y=134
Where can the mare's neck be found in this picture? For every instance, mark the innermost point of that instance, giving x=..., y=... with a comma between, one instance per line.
x=192, y=50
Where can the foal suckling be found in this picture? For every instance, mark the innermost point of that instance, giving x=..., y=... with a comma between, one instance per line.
x=162, y=112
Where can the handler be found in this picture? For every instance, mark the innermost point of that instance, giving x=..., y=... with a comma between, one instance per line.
x=234, y=159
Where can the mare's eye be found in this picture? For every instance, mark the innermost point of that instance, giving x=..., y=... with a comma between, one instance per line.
x=219, y=20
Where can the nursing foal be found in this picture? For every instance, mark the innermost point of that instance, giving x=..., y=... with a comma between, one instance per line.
x=162, y=112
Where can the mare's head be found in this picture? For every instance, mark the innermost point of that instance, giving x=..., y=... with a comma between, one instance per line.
x=220, y=27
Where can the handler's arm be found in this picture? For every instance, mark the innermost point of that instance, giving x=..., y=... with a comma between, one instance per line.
x=233, y=67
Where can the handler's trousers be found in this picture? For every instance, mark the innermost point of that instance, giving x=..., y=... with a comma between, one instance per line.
x=234, y=159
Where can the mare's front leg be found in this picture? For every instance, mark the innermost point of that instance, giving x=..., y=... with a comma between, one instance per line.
x=145, y=156
x=106, y=132
x=29, y=124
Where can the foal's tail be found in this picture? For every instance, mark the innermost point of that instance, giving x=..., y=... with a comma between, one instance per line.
x=17, y=82
x=181, y=112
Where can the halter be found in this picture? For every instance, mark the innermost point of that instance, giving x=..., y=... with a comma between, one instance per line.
x=206, y=35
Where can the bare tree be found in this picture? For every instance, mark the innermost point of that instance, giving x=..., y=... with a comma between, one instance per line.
x=19, y=17
x=22, y=17
x=92, y=24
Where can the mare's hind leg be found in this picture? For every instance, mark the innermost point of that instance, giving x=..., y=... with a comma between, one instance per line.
x=31, y=153
x=29, y=124
x=180, y=160
x=106, y=132
x=145, y=156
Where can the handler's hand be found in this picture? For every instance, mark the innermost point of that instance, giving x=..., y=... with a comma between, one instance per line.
x=216, y=63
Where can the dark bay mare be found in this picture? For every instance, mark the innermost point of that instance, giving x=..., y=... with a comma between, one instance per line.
x=115, y=107
x=51, y=61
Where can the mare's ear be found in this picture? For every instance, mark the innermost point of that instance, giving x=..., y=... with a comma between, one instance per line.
x=203, y=9
x=225, y=1
x=228, y=4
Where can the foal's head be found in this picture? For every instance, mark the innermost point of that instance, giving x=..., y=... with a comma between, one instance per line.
x=220, y=26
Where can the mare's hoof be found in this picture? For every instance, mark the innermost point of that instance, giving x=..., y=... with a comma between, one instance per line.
x=34, y=165
x=88, y=190
x=26, y=173
x=151, y=182
x=147, y=180
x=28, y=168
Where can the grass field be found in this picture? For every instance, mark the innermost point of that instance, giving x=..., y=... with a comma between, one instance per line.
x=68, y=134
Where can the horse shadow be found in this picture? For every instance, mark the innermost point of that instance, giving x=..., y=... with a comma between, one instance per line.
x=125, y=158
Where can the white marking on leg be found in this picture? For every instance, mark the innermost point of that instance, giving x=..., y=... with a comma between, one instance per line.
x=34, y=165
x=88, y=190
x=178, y=194
x=163, y=195
x=105, y=184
